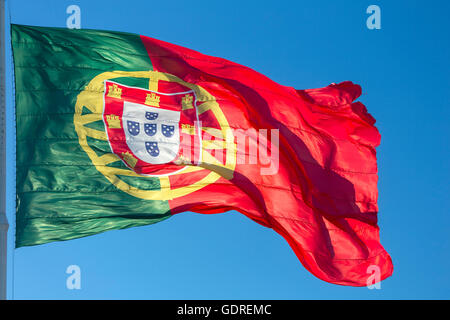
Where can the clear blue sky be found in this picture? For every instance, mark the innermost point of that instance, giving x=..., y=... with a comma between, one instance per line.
x=404, y=71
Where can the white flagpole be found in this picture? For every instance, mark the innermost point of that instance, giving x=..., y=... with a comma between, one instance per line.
x=3, y=220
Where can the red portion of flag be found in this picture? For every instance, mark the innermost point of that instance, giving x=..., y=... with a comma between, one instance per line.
x=322, y=198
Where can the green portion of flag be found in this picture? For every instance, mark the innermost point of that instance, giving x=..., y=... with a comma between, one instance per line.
x=60, y=193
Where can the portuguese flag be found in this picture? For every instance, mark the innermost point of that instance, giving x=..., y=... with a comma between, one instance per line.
x=116, y=130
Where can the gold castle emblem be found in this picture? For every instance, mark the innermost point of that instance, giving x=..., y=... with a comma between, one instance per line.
x=114, y=91
x=152, y=100
x=188, y=129
x=113, y=121
x=186, y=102
x=129, y=159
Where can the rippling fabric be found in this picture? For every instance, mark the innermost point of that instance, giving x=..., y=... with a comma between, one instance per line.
x=322, y=198
x=60, y=194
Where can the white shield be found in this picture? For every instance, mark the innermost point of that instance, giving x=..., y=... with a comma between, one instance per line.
x=152, y=134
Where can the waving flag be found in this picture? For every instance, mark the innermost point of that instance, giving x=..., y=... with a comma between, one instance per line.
x=116, y=130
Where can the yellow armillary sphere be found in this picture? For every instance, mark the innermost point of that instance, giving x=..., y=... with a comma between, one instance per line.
x=92, y=99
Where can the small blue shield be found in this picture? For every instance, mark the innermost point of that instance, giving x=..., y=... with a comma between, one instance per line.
x=168, y=130
x=151, y=115
x=133, y=127
x=150, y=129
x=152, y=148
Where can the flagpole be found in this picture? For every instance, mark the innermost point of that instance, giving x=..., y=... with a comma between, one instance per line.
x=3, y=220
